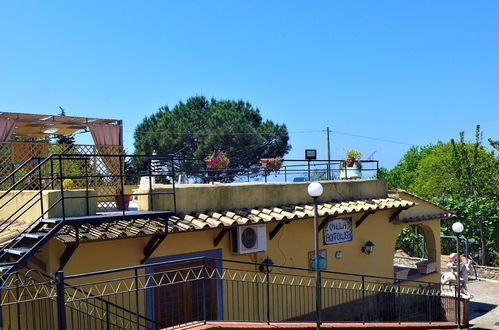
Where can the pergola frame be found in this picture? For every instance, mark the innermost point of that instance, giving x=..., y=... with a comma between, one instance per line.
x=41, y=126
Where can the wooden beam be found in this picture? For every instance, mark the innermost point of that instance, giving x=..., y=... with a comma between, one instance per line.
x=220, y=236
x=66, y=255
x=323, y=223
x=363, y=218
x=396, y=214
x=277, y=229
x=152, y=245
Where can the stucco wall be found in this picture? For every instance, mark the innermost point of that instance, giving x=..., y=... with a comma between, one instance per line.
x=72, y=206
x=202, y=197
x=290, y=247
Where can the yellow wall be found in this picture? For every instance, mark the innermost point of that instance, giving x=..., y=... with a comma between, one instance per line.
x=290, y=248
x=73, y=207
x=202, y=197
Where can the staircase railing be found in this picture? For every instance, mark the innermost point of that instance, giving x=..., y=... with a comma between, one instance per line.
x=21, y=220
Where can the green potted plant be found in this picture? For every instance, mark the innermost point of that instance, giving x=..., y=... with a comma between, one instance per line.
x=271, y=164
x=217, y=160
x=351, y=167
x=353, y=156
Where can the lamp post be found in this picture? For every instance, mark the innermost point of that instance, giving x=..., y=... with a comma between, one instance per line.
x=458, y=228
x=315, y=191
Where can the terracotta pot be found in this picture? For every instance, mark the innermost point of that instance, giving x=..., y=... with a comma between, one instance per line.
x=349, y=162
x=271, y=163
x=122, y=202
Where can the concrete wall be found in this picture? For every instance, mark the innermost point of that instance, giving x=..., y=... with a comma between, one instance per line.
x=73, y=206
x=202, y=197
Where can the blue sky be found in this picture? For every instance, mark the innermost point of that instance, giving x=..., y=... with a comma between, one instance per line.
x=412, y=72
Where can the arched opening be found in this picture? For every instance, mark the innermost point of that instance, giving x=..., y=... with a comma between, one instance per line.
x=415, y=252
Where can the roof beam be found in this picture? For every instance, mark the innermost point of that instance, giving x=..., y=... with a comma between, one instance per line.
x=363, y=218
x=152, y=245
x=69, y=250
x=277, y=229
x=396, y=213
x=67, y=254
x=220, y=236
x=323, y=223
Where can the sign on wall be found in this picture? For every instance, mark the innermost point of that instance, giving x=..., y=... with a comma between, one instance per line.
x=337, y=231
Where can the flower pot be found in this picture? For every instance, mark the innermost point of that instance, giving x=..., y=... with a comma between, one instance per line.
x=122, y=202
x=349, y=162
x=271, y=163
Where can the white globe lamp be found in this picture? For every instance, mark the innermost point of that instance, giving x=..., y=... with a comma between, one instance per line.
x=457, y=227
x=315, y=189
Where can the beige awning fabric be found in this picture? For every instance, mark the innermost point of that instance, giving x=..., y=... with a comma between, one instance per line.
x=229, y=218
x=105, y=135
x=39, y=126
x=7, y=127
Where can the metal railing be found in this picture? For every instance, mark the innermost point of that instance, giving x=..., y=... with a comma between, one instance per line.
x=291, y=170
x=24, y=208
x=169, y=294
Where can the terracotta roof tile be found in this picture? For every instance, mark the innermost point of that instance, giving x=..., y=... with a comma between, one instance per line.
x=228, y=218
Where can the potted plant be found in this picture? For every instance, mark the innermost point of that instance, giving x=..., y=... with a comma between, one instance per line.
x=271, y=163
x=122, y=201
x=352, y=157
x=351, y=167
x=217, y=160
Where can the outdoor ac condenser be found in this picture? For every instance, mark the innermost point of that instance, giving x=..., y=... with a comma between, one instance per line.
x=248, y=239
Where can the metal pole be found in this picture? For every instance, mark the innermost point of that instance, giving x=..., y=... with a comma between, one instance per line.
x=61, y=308
x=267, y=282
x=458, y=285
x=317, y=268
x=61, y=179
x=328, y=155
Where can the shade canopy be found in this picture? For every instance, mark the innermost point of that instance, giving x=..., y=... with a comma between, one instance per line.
x=40, y=126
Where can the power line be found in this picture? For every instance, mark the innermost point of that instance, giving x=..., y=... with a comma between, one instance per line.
x=165, y=132
x=372, y=138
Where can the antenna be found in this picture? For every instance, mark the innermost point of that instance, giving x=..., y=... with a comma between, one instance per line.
x=371, y=155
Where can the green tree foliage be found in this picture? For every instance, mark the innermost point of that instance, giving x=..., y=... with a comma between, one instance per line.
x=199, y=126
x=404, y=173
x=64, y=139
x=462, y=176
x=411, y=240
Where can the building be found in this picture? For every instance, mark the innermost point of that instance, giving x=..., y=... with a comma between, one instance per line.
x=224, y=252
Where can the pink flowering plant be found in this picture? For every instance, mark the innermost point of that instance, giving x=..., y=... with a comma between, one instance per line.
x=217, y=160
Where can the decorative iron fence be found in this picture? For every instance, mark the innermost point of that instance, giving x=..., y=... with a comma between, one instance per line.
x=169, y=294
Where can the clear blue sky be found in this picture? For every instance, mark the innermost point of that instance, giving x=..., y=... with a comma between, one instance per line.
x=414, y=72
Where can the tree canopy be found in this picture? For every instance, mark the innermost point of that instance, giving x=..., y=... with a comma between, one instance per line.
x=199, y=127
x=462, y=176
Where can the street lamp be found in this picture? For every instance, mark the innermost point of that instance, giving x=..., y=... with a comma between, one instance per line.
x=458, y=228
x=315, y=191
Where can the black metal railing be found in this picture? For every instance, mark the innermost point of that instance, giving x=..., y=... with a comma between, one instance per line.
x=171, y=293
x=25, y=204
x=291, y=170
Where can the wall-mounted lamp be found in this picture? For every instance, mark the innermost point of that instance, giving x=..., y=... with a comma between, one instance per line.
x=266, y=265
x=368, y=247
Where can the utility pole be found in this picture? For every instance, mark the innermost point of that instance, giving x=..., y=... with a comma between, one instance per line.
x=328, y=155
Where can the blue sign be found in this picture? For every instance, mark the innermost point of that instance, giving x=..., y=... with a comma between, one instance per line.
x=338, y=231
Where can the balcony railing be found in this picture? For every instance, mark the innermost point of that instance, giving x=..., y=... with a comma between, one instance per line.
x=168, y=294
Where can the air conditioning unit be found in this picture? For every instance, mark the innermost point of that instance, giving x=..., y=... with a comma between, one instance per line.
x=248, y=239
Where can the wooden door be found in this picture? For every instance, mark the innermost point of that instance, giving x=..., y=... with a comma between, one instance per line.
x=189, y=296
